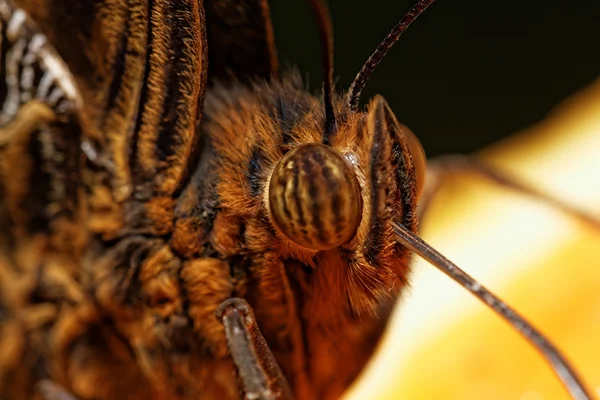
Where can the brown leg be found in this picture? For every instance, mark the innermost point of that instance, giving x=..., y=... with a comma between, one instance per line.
x=30, y=116
x=260, y=375
x=49, y=390
x=17, y=165
x=441, y=167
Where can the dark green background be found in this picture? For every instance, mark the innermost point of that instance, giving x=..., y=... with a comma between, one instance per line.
x=466, y=73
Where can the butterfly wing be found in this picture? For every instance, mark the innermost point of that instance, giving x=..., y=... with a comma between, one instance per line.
x=41, y=230
x=40, y=132
x=142, y=70
x=240, y=40
x=117, y=123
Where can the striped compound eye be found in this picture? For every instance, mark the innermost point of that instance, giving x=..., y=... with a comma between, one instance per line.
x=314, y=197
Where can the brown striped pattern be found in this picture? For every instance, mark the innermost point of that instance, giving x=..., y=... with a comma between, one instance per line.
x=39, y=131
x=141, y=67
x=314, y=197
x=30, y=69
x=165, y=134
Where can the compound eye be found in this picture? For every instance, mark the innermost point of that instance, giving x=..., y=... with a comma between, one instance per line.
x=314, y=197
x=419, y=158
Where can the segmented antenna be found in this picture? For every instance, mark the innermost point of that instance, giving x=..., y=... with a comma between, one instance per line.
x=321, y=12
x=367, y=69
x=560, y=365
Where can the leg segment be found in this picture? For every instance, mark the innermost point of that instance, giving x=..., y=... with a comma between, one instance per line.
x=260, y=375
x=31, y=116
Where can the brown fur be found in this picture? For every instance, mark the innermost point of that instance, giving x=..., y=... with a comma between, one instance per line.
x=351, y=283
x=171, y=218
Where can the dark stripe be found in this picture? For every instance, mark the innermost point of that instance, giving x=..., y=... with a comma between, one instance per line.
x=255, y=169
x=336, y=200
x=201, y=191
x=168, y=135
x=406, y=179
x=118, y=69
x=23, y=34
x=3, y=53
x=38, y=73
x=133, y=143
x=313, y=191
x=286, y=210
x=318, y=157
x=39, y=186
x=300, y=213
x=373, y=242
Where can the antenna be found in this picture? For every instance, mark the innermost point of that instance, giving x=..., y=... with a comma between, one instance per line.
x=367, y=69
x=561, y=367
x=321, y=12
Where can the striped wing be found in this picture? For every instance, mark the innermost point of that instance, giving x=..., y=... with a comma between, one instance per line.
x=40, y=132
x=142, y=69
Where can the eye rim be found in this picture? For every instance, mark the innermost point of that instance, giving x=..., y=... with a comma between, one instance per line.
x=349, y=189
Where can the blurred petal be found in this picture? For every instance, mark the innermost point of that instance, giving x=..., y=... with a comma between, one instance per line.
x=443, y=343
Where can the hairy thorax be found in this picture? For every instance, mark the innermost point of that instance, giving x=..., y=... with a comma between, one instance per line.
x=320, y=311
x=142, y=285
x=138, y=195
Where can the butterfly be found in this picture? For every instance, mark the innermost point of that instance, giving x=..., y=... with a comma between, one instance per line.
x=181, y=220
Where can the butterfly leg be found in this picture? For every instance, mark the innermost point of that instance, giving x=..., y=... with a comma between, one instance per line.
x=30, y=116
x=445, y=166
x=261, y=377
x=49, y=390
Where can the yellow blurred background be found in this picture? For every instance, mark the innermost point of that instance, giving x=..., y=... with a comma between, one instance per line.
x=443, y=343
